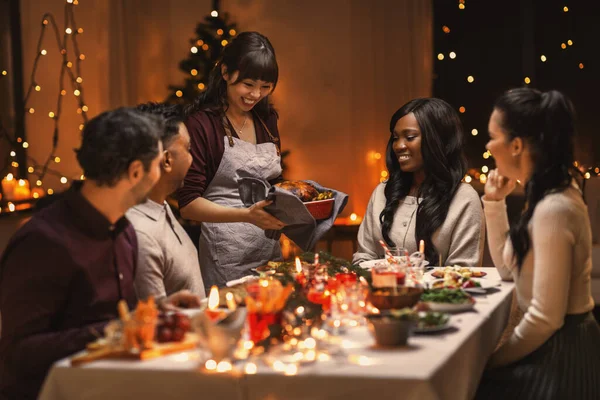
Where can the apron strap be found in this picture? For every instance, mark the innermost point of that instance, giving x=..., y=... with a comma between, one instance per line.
x=228, y=129
x=273, y=138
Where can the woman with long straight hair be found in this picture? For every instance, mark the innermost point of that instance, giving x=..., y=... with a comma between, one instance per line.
x=554, y=352
x=233, y=127
x=424, y=199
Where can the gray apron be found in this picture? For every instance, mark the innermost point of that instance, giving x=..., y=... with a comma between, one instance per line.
x=230, y=250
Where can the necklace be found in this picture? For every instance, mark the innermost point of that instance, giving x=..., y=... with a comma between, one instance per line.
x=243, y=125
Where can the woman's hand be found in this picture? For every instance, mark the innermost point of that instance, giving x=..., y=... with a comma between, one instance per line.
x=497, y=187
x=261, y=218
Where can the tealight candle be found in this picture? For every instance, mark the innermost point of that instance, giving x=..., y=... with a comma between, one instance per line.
x=8, y=187
x=212, y=311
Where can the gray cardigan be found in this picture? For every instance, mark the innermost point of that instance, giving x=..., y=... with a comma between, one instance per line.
x=459, y=240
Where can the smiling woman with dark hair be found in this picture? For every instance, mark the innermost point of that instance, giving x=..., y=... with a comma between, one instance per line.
x=424, y=199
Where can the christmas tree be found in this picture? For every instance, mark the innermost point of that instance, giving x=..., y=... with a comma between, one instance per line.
x=212, y=36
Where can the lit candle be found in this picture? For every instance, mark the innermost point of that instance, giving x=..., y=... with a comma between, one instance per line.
x=231, y=304
x=8, y=187
x=21, y=190
x=213, y=312
x=422, y=247
x=300, y=278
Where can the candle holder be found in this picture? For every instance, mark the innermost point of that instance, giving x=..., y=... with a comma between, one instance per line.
x=220, y=338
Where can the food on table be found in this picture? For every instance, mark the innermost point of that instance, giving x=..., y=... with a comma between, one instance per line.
x=387, y=275
x=432, y=319
x=139, y=326
x=452, y=296
x=388, y=298
x=304, y=191
x=454, y=280
x=457, y=269
x=172, y=327
x=404, y=314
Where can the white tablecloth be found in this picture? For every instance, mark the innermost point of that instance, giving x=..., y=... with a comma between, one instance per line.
x=442, y=366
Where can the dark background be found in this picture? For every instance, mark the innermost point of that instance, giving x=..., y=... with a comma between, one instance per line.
x=500, y=43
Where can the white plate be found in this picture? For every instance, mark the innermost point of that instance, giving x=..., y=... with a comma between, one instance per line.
x=369, y=264
x=431, y=329
x=450, y=307
x=485, y=284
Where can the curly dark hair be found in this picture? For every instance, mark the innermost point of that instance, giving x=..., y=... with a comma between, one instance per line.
x=252, y=55
x=546, y=122
x=444, y=165
x=114, y=139
x=172, y=115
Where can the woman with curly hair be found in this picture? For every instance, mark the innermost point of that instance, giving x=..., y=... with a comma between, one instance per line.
x=424, y=199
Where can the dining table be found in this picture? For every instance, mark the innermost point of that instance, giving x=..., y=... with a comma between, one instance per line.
x=439, y=365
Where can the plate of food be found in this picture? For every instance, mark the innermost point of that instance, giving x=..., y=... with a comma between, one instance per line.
x=371, y=263
x=447, y=300
x=470, y=285
x=432, y=321
x=458, y=270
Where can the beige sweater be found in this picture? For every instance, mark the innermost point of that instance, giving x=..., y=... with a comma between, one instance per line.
x=555, y=277
x=459, y=240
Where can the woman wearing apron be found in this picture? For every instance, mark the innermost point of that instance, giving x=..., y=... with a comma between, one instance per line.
x=233, y=130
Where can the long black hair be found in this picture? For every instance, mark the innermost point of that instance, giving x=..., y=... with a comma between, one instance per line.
x=443, y=163
x=252, y=55
x=546, y=123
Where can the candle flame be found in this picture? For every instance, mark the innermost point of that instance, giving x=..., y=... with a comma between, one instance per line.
x=213, y=298
x=298, y=265
x=9, y=177
x=353, y=217
x=21, y=182
x=231, y=304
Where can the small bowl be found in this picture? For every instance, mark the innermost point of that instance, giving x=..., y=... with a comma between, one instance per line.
x=389, y=331
x=385, y=299
x=320, y=209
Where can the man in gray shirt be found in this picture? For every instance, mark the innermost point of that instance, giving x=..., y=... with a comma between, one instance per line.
x=167, y=258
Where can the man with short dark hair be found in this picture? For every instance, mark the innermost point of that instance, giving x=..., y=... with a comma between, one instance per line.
x=167, y=258
x=63, y=273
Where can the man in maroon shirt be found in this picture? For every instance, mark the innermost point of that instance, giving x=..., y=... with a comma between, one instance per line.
x=63, y=272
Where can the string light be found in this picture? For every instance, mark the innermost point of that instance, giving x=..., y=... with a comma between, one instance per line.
x=486, y=155
x=38, y=182
x=201, y=86
x=51, y=114
x=31, y=110
x=566, y=9
x=445, y=29
x=563, y=46
x=570, y=42
x=484, y=169
x=12, y=153
x=68, y=31
x=194, y=49
x=224, y=43
x=76, y=92
x=194, y=72
x=79, y=79
x=219, y=32
x=527, y=80
x=232, y=32
x=50, y=191
x=30, y=170
x=214, y=14
x=462, y=109
x=63, y=180
x=543, y=58
x=57, y=159
x=470, y=79
x=474, y=132
x=84, y=108
x=204, y=47
x=179, y=93
x=43, y=52
x=38, y=88
x=461, y=6
x=452, y=55
x=25, y=145
x=440, y=56
x=581, y=65
x=4, y=72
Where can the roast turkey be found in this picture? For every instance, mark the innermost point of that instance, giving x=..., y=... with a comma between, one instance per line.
x=304, y=191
